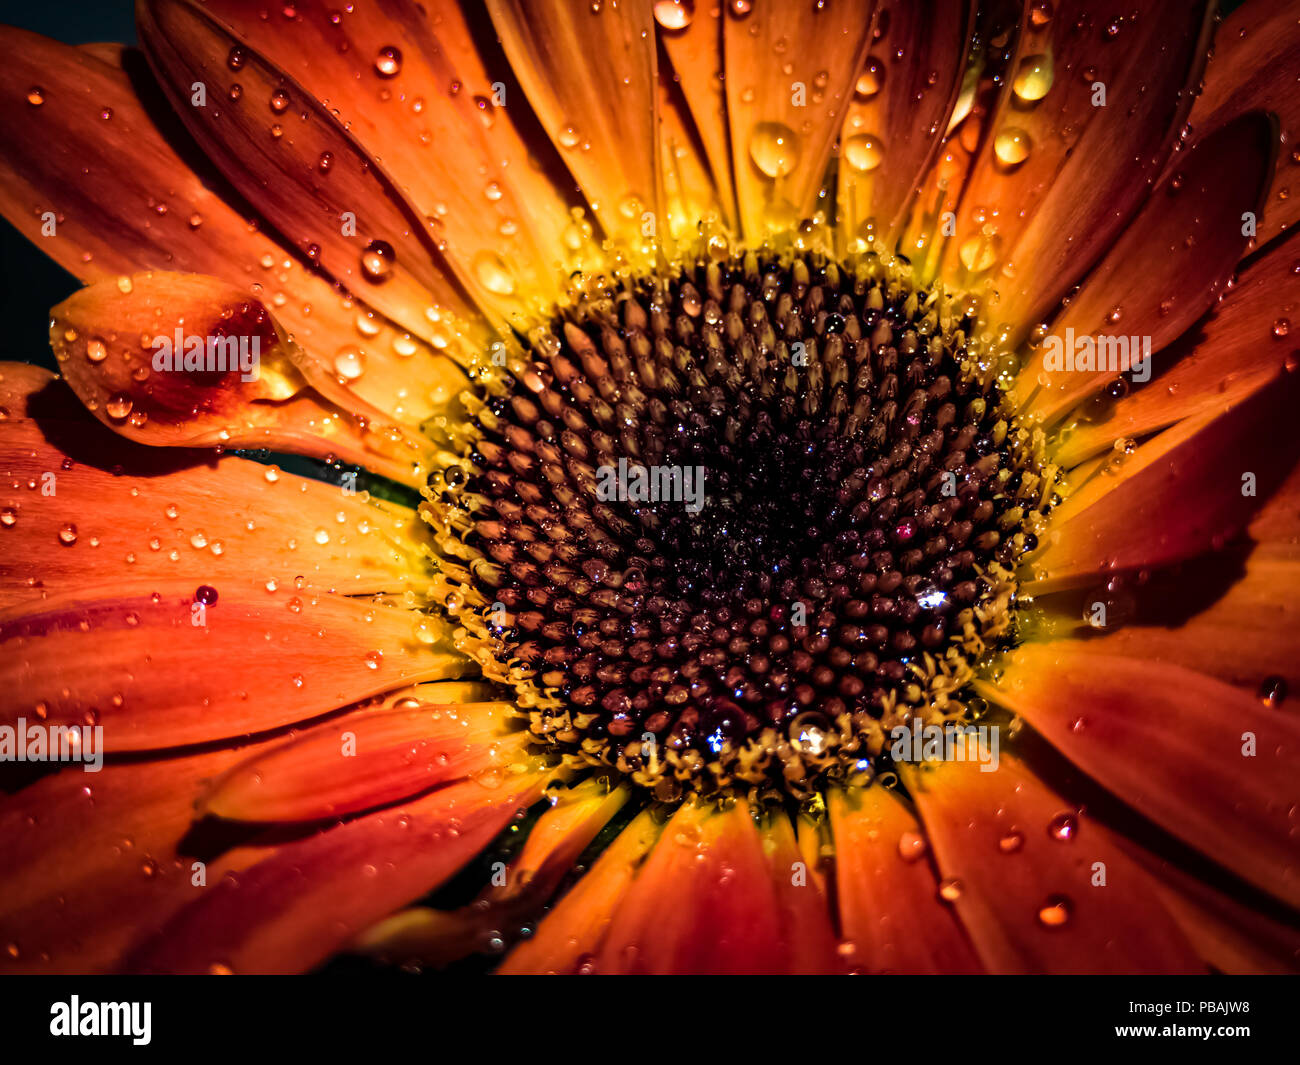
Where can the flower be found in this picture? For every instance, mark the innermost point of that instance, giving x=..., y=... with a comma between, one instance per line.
x=831, y=503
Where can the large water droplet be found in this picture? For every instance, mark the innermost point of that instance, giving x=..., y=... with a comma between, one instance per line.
x=388, y=63
x=377, y=260
x=1034, y=78
x=674, y=14
x=1011, y=146
x=774, y=147
x=863, y=153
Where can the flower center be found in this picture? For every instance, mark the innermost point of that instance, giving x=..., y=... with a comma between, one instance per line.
x=735, y=522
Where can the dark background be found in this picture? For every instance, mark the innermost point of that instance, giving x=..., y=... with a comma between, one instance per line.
x=31, y=283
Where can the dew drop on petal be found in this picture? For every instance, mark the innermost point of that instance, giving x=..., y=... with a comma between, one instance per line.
x=774, y=148
x=388, y=63
x=377, y=260
x=863, y=153
x=674, y=14
x=1055, y=912
x=1062, y=827
x=1273, y=691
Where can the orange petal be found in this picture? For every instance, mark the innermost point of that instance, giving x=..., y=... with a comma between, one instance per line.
x=902, y=101
x=1032, y=900
x=155, y=670
x=890, y=910
x=157, y=213
x=293, y=910
x=611, y=150
x=704, y=902
x=385, y=70
x=1164, y=271
x=1176, y=496
x=185, y=360
x=807, y=937
x=438, y=937
x=790, y=74
x=347, y=217
x=695, y=52
x=364, y=761
x=1036, y=222
x=569, y=936
x=1229, y=356
x=92, y=861
x=1204, y=760
x=75, y=521
x=1256, y=64
x=1231, y=936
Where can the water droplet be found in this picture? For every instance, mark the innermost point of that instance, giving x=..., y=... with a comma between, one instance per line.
x=871, y=80
x=774, y=147
x=1040, y=14
x=118, y=406
x=950, y=889
x=374, y=659
x=1011, y=842
x=741, y=8
x=205, y=594
x=279, y=101
x=1011, y=146
x=674, y=14
x=36, y=96
x=912, y=846
x=1271, y=692
x=863, y=153
x=8, y=516
x=1055, y=912
x=1034, y=77
x=1062, y=827
x=388, y=63
x=980, y=253
x=68, y=535
x=1281, y=328
x=96, y=350
x=493, y=274
x=377, y=260
x=350, y=362
x=235, y=59
x=569, y=137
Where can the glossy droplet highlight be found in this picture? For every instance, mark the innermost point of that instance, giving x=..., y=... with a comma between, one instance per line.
x=1055, y=912
x=388, y=63
x=1062, y=827
x=1034, y=78
x=863, y=153
x=674, y=14
x=1273, y=691
x=1011, y=146
x=774, y=148
x=377, y=260
x=350, y=362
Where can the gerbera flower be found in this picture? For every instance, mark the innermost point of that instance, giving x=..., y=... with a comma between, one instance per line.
x=743, y=399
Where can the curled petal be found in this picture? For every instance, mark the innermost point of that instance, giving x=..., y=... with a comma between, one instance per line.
x=182, y=360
